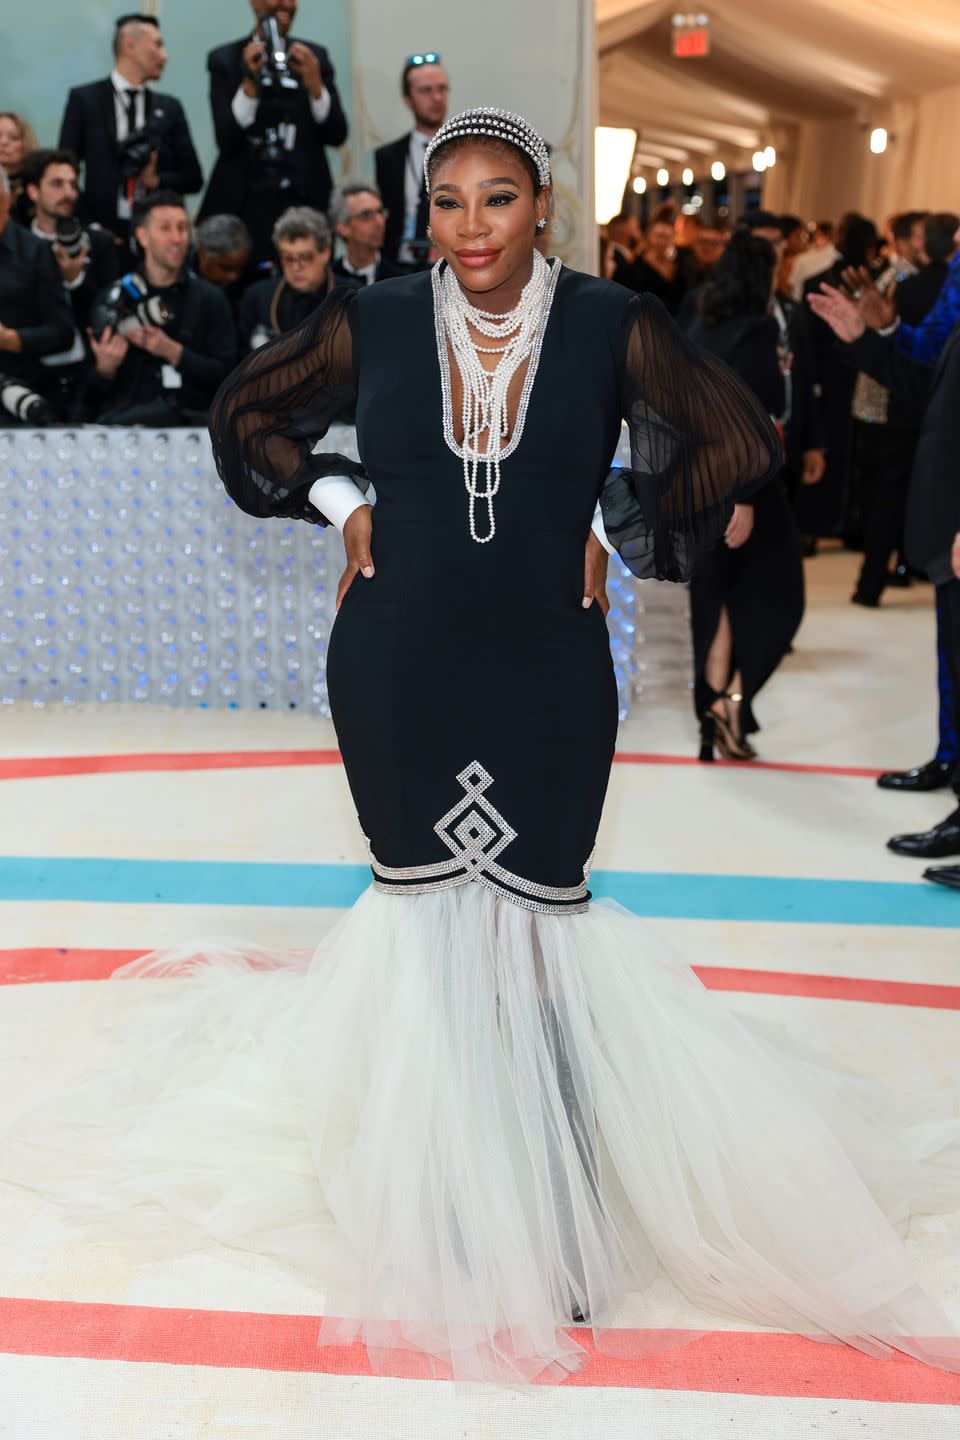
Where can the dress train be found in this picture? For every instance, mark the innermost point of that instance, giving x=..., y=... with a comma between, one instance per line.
x=469, y=1122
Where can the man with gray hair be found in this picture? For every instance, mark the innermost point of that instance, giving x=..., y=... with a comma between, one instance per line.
x=359, y=219
x=223, y=255
x=303, y=243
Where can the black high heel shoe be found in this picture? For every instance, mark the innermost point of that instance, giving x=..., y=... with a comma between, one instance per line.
x=730, y=743
x=708, y=736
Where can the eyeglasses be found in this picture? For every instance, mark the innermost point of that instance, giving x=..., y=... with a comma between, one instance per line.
x=429, y=57
x=377, y=213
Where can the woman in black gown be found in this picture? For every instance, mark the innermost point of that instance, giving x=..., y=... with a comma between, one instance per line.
x=485, y=1110
x=747, y=595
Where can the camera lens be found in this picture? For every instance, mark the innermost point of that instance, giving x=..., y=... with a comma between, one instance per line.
x=69, y=234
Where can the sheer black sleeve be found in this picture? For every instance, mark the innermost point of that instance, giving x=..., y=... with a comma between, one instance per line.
x=271, y=411
x=699, y=442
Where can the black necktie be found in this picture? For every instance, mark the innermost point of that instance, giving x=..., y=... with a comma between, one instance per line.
x=131, y=98
x=423, y=213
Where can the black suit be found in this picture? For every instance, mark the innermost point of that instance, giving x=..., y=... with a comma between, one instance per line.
x=241, y=183
x=89, y=129
x=386, y=270
x=932, y=394
x=391, y=163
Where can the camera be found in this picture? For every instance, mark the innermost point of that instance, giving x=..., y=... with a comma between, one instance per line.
x=70, y=236
x=128, y=306
x=276, y=73
x=23, y=403
x=134, y=154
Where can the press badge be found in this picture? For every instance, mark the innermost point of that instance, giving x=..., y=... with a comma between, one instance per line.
x=170, y=378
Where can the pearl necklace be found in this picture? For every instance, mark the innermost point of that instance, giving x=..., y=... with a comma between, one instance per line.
x=485, y=392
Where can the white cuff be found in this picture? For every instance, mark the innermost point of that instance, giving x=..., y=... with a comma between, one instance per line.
x=598, y=530
x=336, y=497
x=320, y=109
x=244, y=108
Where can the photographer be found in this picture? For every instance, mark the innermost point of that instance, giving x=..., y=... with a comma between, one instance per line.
x=162, y=338
x=399, y=166
x=357, y=213
x=223, y=256
x=272, y=307
x=931, y=393
x=35, y=318
x=132, y=140
x=87, y=261
x=275, y=109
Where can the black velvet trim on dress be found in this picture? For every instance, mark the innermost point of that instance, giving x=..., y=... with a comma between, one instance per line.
x=476, y=833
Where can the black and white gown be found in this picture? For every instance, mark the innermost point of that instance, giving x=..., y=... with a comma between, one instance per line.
x=488, y=1105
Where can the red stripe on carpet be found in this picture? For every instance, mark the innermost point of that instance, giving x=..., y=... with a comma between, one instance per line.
x=722, y=1362
x=35, y=966
x=34, y=767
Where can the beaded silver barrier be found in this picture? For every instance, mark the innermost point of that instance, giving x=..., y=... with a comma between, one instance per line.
x=127, y=574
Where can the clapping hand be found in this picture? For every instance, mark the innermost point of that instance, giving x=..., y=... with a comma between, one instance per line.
x=841, y=314
x=875, y=309
x=357, y=535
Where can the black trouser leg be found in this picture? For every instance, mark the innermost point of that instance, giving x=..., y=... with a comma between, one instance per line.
x=887, y=456
x=948, y=596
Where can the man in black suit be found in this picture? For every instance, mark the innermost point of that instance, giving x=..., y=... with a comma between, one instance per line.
x=35, y=318
x=168, y=371
x=102, y=118
x=359, y=219
x=932, y=394
x=399, y=165
x=272, y=123
x=87, y=265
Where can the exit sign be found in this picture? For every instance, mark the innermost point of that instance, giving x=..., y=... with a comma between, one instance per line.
x=691, y=36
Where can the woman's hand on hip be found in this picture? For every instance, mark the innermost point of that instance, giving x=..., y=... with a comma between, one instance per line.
x=740, y=528
x=595, y=575
x=357, y=534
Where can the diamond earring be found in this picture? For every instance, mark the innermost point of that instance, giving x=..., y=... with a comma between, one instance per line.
x=541, y=224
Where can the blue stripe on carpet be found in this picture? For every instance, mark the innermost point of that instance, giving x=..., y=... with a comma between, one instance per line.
x=669, y=895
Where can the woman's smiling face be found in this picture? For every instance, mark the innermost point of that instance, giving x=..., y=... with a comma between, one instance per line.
x=484, y=214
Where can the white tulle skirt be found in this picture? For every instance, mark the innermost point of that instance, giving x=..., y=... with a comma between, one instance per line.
x=472, y=1126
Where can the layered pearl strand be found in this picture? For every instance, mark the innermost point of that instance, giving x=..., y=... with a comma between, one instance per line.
x=485, y=392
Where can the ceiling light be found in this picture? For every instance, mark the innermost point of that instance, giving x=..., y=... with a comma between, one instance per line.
x=639, y=185
x=613, y=157
x=687, y=176
x=759, y=160
x=770, y=155
x=718, y=170
x=878, y=140
x=663, y=177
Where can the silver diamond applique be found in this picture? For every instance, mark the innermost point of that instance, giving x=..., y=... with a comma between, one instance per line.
x=474, y=831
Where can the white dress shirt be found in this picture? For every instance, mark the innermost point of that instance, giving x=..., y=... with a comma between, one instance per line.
x=368, y=273
x=412, y=182
x=120, y=88
x=245, y=108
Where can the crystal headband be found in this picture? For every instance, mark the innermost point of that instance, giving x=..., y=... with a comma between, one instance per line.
x=497, y=125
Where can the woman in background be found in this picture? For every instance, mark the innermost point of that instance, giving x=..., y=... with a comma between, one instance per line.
x=746, y=599
x=17, y=140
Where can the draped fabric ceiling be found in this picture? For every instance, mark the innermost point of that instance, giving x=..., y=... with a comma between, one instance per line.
x=810, y=79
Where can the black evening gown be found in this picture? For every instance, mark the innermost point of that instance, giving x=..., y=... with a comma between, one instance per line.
x=485, y=1108
x=761, y=584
